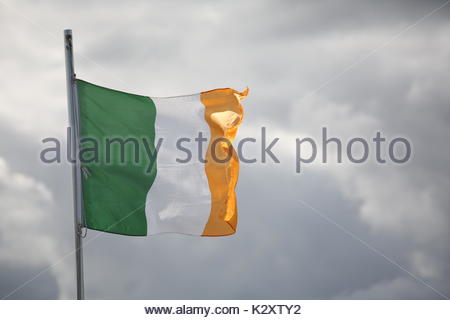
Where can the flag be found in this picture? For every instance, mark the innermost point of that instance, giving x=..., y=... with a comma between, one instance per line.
x=159, y=165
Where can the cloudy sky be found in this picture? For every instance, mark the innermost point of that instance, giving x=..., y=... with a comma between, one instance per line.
x=334, y=231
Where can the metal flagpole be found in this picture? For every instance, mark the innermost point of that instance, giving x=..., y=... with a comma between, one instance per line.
x=72, y=101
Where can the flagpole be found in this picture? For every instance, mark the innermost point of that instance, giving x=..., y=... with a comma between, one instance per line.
x=72, y=101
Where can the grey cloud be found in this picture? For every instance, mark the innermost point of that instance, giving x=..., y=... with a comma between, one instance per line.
x=282, y=51
x=46, y=287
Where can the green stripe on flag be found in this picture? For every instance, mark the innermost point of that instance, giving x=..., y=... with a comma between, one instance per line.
x=115, y=184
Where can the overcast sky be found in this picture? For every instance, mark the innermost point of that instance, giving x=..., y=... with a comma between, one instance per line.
x=334, y=231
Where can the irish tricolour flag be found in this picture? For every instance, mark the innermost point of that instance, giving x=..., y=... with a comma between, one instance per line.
x=157, y=165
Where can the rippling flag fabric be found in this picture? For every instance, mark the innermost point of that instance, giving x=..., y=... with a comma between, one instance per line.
x=159, y=165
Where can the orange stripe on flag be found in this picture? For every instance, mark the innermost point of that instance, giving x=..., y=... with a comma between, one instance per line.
x=224, y=114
